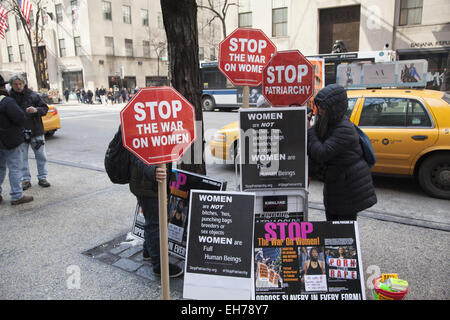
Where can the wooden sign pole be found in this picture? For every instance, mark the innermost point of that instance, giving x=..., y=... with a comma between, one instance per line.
x=246, y=97
x=163, y=237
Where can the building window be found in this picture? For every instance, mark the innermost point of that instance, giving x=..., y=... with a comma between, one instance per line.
x=411, y=12
x=279, y=22
x=144, y=16
x=107, y=12
x=126, y=14
x=201, y=53
x=146, y=48
x=73, y=80
x=62, y=47
x=128, y=47
x=59, y=13
x=74, y=7
x=10, y=54
x=18, y=23
x=77, y=43
x=340, y=23
x=245, y=20
x=212, y=54
x=109, y=45
x=22, y=52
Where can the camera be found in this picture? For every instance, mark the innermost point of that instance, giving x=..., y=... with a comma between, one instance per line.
x=27, y=135
x=37, y=143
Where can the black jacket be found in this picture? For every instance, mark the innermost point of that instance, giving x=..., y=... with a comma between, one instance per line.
x=28, y=98
x=142, y=178
x=11, y=123
x=348, y=185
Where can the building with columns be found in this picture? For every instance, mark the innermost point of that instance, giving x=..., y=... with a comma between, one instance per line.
x=122, y=42
x=94, y=43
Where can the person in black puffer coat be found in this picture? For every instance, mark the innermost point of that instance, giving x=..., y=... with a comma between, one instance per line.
x=333, y=143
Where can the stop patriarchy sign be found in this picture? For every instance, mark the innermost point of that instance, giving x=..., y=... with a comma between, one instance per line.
x=158, y=125
x=243, y=55
x=288, y=78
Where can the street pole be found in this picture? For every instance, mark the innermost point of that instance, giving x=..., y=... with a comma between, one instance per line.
x=246, y=97
x=163, y=237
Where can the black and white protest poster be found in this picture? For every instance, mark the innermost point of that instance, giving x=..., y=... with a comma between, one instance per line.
x=138, y=223
x=219, y=258
x=307, y=260
x=273, y=148
x=180, y=182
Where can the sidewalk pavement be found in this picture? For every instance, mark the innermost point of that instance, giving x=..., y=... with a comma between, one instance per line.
x=70, y=243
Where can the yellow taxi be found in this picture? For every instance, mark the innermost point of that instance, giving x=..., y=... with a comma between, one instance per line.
x=51, y=121
x=409, y=130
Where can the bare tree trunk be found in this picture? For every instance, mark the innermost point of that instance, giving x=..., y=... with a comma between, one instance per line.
x=224, y=28
x=180, y=23
x=34, y=52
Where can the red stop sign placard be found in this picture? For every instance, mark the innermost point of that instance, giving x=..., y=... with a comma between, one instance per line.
x=243, y=55
x=288, y=78
x=158, y=125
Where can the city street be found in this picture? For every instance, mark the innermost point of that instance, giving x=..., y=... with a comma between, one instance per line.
x=406, y=232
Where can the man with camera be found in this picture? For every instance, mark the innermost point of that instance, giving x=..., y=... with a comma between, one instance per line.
x=34, y=108
x=11, y=122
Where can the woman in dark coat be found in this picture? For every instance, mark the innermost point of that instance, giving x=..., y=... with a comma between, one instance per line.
x=333, y=144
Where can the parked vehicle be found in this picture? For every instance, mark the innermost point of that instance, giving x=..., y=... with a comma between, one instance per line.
x=409, y=131
x=51, y=121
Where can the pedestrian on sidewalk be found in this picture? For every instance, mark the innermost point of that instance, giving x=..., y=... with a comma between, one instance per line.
x=12, y=119
x=34, y=109
x=89, y=96
x=110, y=95
x=102, y=93
x=83, y=96
x=144, y=182
x=78, y=93
x=66, y=94
x=97, y=96
x=124, y=94
x=333, y=145
x=116, y=95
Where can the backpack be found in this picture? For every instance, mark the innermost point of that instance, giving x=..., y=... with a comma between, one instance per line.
x=366, y=146
x=117, y=160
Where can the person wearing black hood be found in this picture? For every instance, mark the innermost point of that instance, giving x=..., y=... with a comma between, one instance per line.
x=34, y=108
x=333, y=144
x=12, y=119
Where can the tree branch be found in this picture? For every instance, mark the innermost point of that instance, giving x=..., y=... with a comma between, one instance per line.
x=212, y=10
